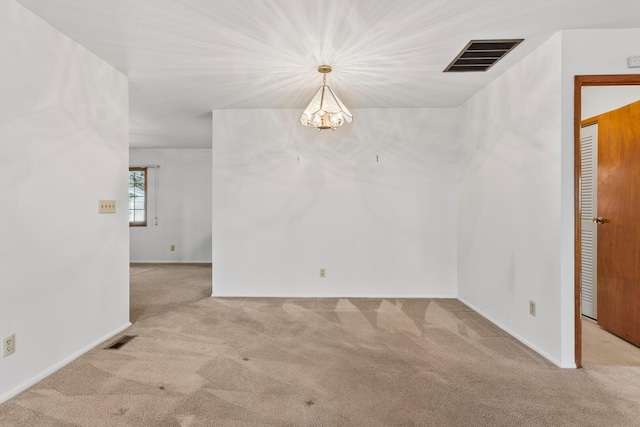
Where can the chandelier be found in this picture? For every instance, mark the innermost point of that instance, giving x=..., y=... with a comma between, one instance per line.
x=325, y=111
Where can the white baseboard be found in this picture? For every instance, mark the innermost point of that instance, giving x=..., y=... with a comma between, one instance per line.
x=336, y=295
x=524, y=341
x=168, y=261
x=42, y=375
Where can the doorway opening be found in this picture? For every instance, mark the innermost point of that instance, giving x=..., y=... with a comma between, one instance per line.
x=579, y=83
x=170, y=213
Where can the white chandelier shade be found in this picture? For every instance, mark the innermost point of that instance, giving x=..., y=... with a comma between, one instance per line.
x=325, y=111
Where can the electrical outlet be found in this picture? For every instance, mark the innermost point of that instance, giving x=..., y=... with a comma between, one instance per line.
x=9, y=345
x=633, y=62
x=323, y=273
x=532, y=308
x=173, y=248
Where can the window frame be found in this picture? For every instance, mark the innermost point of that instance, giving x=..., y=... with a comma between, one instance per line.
x=144, y=222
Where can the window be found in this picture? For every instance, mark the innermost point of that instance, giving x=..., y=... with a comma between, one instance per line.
x=138, y=196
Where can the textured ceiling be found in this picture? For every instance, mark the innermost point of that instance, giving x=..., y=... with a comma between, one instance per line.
x=186, y=58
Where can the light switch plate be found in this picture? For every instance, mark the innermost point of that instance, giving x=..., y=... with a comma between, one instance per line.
x=106, y=206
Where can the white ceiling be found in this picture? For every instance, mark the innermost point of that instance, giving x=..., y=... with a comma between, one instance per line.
x=186, y=58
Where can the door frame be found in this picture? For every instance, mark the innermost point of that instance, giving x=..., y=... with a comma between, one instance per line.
x=579, y=82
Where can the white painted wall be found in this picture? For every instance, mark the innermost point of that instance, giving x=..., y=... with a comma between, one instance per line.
x=598, y=100
x=516, y=228
x=509, y=200
x=63, y=146
x=179, y=195
x=585, y=52
x=384, y=228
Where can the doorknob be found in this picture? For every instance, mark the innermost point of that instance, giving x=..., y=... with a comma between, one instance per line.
x=598, y=220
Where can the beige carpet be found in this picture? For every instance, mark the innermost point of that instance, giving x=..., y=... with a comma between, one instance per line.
x=159, y=288
x=324, y=362
x=600, y=347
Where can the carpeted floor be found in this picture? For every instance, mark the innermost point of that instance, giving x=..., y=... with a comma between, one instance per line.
x=600, y=347
x=324, y=362
x=160, y=288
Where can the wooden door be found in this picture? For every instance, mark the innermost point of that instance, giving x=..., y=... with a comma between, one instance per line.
x=619, y=235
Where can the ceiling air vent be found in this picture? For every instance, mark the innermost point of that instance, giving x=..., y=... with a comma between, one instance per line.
x=480, y=55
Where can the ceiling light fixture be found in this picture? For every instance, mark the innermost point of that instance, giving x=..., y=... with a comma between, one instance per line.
x=325, y=111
